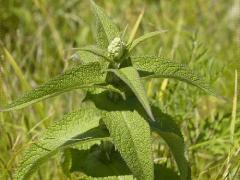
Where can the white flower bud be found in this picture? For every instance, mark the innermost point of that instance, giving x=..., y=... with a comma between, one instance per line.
x=116, y=48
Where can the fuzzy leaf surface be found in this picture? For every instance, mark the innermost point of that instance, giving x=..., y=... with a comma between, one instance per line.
x=79, y=126
x=106, y=30
x=130, y=76
x=164, y=125
x=131, y=136
x=158, y=67
x=82, y=76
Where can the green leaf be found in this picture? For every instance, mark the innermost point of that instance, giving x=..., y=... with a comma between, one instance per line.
x=70, y=160
x=164, y=126
x=162, y=172
x=168, y=130
x=130, y=76
x=66, y=162
x=177, y=147
x=89, y=144
x=131, y=136
x=76, y=127
x=104, y=102
x=91, y=53
x=83, y=57
x=143, y=38
x=82, y=76
x=158, y=67
x=111, y=88
x=95, y=162
x=106, y=30
x=165, y=122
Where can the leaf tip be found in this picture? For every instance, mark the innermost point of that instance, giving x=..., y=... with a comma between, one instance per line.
x=93, y=4
x=152, y=117
x=2, y=109
x=7, y=109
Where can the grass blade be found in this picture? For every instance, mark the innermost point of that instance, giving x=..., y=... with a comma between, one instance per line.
x=234, y=108
x=135, y=27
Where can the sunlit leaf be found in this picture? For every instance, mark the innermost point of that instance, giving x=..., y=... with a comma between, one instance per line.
x=106, y=30
x=158, y=67
x=79, y=77
x=76, y=127
x=131, y=136
x=131, y=77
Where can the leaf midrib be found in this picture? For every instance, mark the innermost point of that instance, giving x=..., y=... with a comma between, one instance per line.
x=129, y=130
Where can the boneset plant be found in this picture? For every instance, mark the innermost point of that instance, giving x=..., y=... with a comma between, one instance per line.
x=110, y=134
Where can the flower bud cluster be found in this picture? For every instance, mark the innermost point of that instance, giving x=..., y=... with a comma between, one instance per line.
x=116, y=48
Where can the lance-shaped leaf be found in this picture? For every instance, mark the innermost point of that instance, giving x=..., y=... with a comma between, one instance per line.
x=79, y=126
x=168, y=130
x=143, y=38
x=130, y=76
x=79, y=77
x=131, y=136
x=106, y=30
x=158, y=67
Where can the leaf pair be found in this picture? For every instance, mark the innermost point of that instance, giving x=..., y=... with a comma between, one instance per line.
x=128, y=130
x=82, y=127
x=163, y=125
x=85, y=76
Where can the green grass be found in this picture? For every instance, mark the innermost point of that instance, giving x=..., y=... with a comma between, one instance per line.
x=203, y=34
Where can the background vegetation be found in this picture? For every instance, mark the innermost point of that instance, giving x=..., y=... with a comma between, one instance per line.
x=36, y=35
